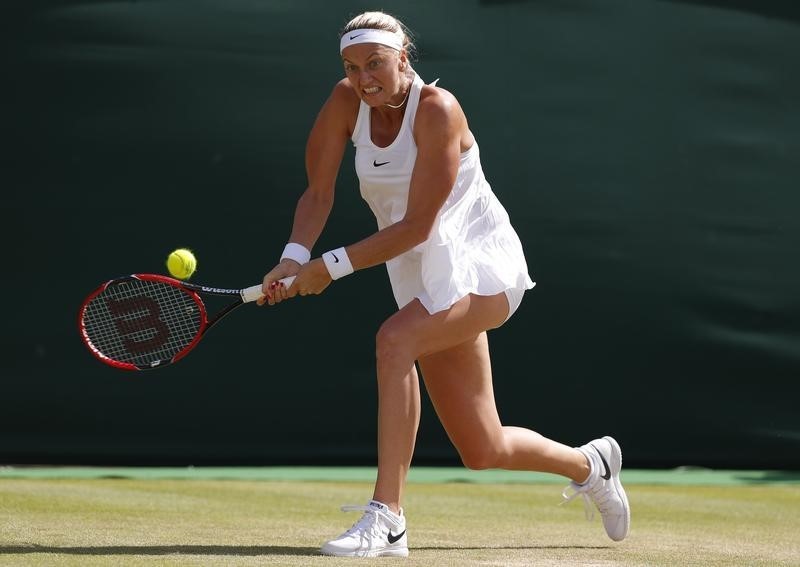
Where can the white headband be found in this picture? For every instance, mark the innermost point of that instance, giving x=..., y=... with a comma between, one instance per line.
x=383, y=37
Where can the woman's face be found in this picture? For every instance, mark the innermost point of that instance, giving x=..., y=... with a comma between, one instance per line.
x=374, y=70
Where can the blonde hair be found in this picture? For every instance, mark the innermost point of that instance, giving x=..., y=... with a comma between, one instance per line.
x=385, y=22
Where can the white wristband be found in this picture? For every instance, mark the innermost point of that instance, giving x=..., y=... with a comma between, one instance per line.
x=338, y=263
x=296, y=252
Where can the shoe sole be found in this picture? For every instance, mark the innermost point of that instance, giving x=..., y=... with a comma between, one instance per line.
x=375, y=553
x=616, y=466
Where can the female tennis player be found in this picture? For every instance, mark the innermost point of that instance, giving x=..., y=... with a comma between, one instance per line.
x=456, y=268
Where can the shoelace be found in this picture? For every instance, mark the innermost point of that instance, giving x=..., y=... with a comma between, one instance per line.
x=367, y=521
x=592, y=493
x=579, y=490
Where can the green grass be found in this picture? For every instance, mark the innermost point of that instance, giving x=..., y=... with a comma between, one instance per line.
x=86, y=522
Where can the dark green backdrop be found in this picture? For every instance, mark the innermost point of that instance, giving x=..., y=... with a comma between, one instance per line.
x=647, y=152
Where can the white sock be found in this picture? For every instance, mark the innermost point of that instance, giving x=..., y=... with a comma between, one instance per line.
x=387, y=509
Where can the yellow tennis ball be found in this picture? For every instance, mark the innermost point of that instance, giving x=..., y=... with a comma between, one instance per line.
x=181, y=263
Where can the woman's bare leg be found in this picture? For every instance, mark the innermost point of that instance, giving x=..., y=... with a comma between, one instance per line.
x=454, y=356
x=459, y=383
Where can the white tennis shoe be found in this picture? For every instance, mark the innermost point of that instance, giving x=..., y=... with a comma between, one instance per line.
x=604, y=488
x=379, y=532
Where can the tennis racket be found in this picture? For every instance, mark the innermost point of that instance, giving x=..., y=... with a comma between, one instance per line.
x=146, y=321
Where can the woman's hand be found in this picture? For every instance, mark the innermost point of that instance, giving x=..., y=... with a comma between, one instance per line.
x=311, y=279
x=272, y=290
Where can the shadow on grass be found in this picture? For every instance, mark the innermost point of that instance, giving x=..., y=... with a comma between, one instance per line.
x=243, y=550
x=768, y=477
x=234, y=550
x=504, y=547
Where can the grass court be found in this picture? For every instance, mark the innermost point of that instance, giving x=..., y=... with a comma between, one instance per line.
x=279, y=516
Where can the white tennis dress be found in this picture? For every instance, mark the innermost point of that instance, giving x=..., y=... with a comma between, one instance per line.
x=472, y=247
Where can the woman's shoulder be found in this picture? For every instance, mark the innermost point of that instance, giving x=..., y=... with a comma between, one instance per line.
x=344, y=94
x=340, y=111
x=437, y=104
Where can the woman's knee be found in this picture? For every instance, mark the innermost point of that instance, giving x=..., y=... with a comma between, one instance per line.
x=393, y=343
x=482, y=457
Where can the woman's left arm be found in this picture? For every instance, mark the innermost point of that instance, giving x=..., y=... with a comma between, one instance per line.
x=438, y=128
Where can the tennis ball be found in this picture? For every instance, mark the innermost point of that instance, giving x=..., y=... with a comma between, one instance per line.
x=181, y=263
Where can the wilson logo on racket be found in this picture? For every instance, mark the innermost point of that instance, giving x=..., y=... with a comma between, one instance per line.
x=134, y=317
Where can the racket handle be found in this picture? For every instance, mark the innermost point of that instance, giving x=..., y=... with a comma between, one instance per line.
x=252, y=293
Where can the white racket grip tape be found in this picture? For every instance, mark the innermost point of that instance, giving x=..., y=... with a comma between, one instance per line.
x=253, y=293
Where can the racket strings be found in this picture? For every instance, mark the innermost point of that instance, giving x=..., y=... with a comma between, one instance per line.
x=142, y=322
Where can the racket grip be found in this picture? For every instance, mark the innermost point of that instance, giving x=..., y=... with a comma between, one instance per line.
x=253, y=293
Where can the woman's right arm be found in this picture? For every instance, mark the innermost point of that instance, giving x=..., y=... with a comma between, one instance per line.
x=324, y=151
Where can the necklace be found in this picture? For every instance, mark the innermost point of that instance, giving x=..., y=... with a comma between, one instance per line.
x=402, y=103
